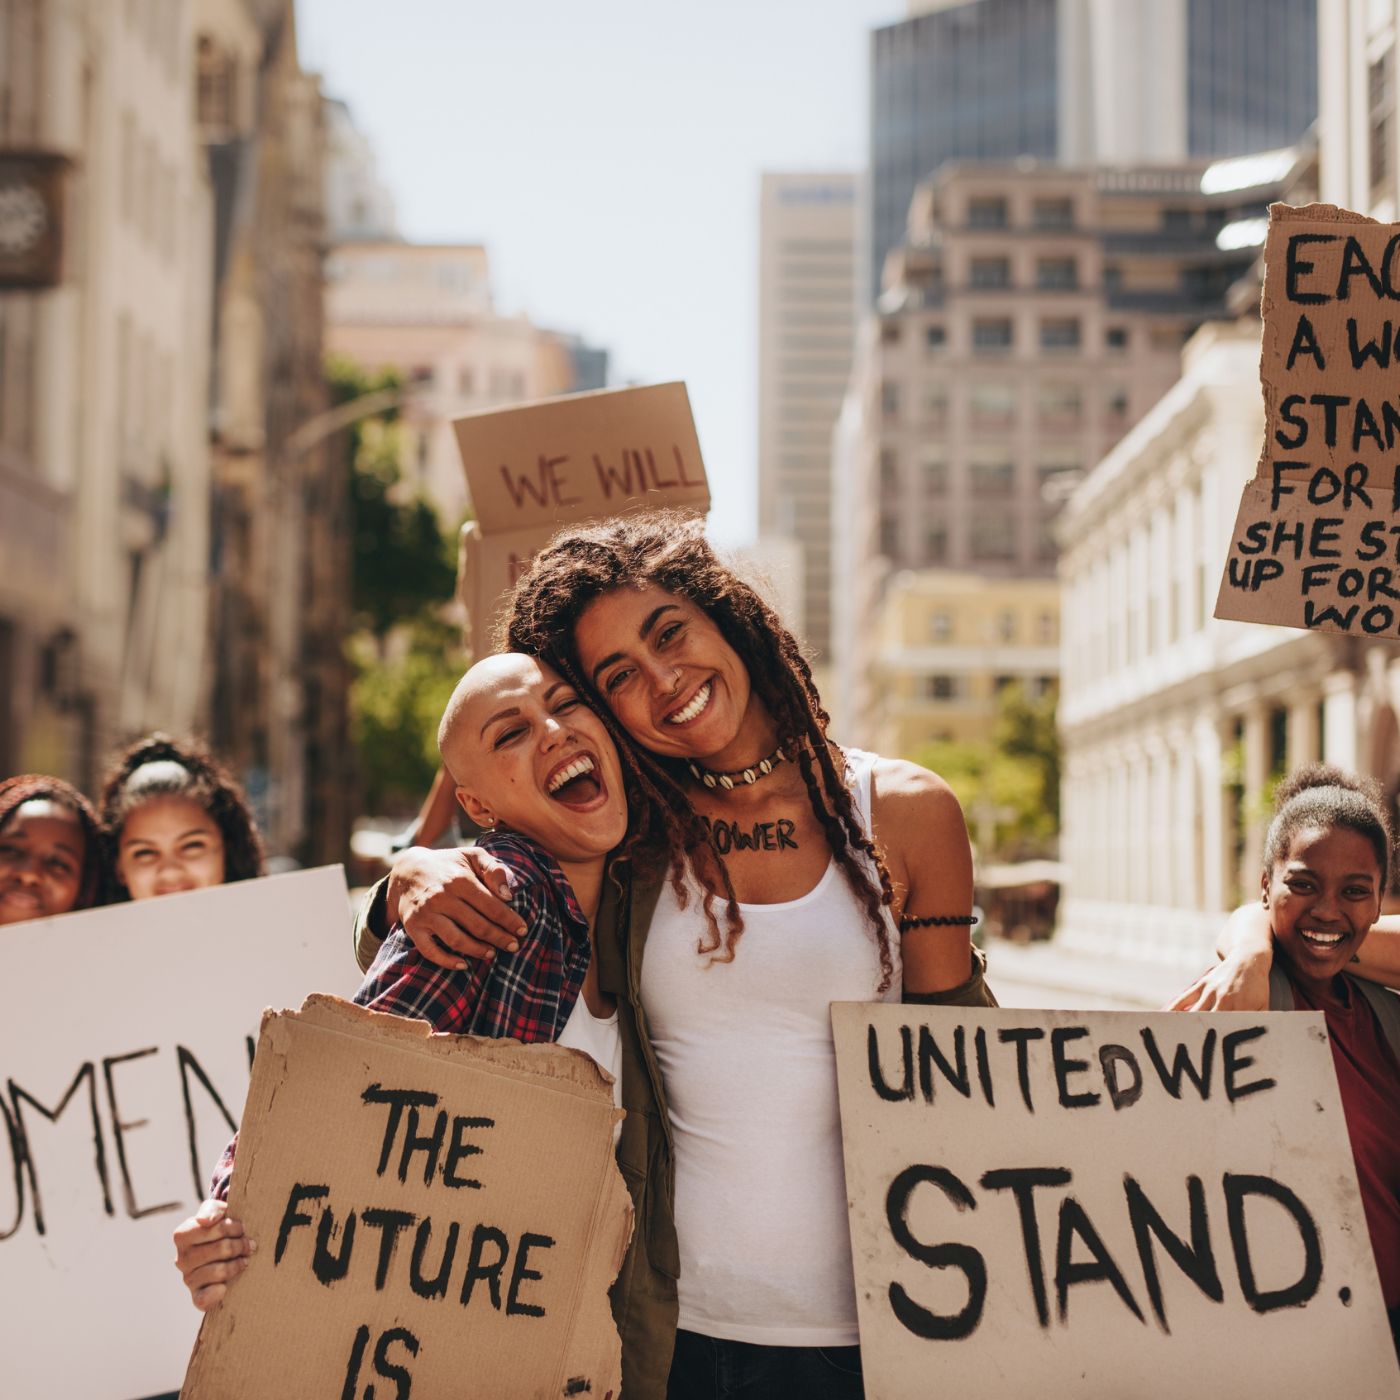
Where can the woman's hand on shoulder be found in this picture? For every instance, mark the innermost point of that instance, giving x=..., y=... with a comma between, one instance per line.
x=451, y=904
x=1240, y=980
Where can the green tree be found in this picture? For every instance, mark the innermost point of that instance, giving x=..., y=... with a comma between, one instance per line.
x=406, y=656
x=1009, y=788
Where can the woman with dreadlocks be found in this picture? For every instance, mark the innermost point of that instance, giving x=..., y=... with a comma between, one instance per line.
x=795, y=873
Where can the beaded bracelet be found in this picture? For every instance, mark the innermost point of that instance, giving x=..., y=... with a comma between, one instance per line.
x=937, y=920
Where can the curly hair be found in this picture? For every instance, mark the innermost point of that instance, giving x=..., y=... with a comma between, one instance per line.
x=160, y=766
x=36, y=787
x=669, y=550
x=1324, y=796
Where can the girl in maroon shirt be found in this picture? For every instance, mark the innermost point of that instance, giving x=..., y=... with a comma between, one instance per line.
x=1327, y=859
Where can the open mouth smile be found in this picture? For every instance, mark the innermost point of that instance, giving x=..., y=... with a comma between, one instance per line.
x=577, y=783
x=1318, y=939
x=694, y=707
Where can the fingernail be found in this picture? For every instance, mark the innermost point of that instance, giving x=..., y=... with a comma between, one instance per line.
x=252, y=1245
x=461, y=966
x=515, y=947
x=488, y=955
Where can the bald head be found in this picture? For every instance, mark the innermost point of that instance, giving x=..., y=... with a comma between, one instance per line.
x=488, y=692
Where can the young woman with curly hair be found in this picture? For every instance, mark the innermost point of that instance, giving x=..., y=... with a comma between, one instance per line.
x=50, y=849
x=174, y=819
x=793, y=873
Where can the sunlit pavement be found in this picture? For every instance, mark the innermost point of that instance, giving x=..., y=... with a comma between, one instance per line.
x=1040, y=974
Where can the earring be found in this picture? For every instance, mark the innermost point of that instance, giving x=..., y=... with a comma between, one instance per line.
x=488, y=822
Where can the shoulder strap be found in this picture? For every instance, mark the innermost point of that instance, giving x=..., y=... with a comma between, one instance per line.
x=1280, y=989
x=1386, y=1005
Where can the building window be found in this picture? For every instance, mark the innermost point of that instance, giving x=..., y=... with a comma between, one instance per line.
x=1046, y=550
x=942, y=688
x=1176, y=220
x=935, y=338
x=936, y=544
x=1053, y=212
x=215, y=84
x=1059, y=404
x=1116, y=401
x=1056, y=274
x=889, y=399
x=889, y=537
x=993, y=539
x=935, y=475
x=1116, y=337
x=988, y=274
x=935, y=403
x=1006, y=627
x=941, y=626
x=996, y=478
x=1060, y=333
x=889, y=469
x=1046, y=629
x=986, y=211
x=991, y=334
x=993, y=404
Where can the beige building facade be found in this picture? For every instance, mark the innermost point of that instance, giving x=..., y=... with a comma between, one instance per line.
x=426, y=311
x=947, y=644
x=1033, y=314
x=806, y=335
x=1176, y=725
x=104, y=458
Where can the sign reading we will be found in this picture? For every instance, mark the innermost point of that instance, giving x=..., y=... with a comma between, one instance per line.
x=437, y=1215
x=1316, y=542
x=1104, y=1206
x=536, y=467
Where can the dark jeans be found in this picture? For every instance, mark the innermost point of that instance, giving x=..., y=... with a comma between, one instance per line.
x=707, y=1368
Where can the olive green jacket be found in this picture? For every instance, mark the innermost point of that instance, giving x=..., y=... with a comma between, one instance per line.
x=644, y=1297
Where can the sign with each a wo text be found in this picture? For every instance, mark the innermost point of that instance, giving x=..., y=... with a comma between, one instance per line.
x=1316, y=542
x=1105, y=1206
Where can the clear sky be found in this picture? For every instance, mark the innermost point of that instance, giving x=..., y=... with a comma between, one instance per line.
x=608, y=154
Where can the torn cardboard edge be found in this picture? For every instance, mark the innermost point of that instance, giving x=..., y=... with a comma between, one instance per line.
x=299, y=1101
x=1314, y=545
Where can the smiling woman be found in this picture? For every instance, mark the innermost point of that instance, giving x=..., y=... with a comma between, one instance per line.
x=1327, y=860
x=174, y=819
x=50, y=852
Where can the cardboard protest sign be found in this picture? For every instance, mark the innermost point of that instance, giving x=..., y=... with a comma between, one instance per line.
x=124, y=1052
x=537, y=467
x=437, y=1215
x=1104, y=1206
x=1316, y=542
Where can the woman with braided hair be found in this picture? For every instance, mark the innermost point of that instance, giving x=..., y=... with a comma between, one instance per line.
x=795, y=873
x=174, y=819
x=50, y=850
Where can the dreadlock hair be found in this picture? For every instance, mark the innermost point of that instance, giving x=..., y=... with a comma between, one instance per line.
x=160, y=766
x=669, y=550
x=36, y=787
x=1324, y=796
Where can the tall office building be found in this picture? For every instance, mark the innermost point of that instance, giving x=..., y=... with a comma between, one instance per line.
x=1081, y=81
x=806, y=331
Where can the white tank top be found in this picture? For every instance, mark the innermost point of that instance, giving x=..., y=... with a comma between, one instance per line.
x=746, y=1055
x=599, y=1037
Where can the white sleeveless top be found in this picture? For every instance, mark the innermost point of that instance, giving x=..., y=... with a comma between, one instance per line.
x=599, y=1037
x=746, y=1054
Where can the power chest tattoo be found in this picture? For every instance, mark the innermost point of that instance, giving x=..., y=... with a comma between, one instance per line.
x=760, y=836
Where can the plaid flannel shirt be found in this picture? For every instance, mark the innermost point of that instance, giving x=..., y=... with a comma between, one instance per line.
x=526, y=995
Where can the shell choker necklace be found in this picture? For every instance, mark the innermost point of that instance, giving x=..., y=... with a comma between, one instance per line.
x=742, y=777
